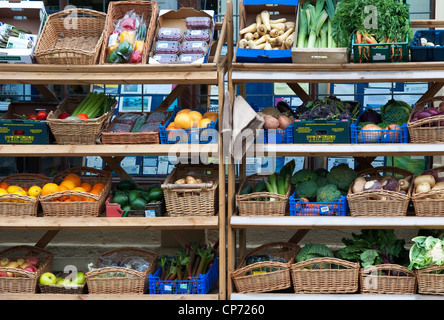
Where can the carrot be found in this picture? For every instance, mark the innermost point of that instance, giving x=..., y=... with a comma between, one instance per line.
x=359, y=41
x=370, y=39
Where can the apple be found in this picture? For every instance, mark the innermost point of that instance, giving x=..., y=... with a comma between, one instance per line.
x=3, y=274
x=24, y=265
x=4, y=261
x=20, y=261
x=47, y=278
x=79, y=279
x=30, y=269
x=11, y=264
x=33, y=260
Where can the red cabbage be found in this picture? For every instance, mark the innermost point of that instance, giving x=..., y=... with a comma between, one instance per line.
x=370, y=115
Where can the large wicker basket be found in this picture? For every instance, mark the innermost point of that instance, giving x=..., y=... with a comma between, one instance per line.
x=266, y=276
x=71, y=37
x=121, y=280
x=24, y=281
x=258, y=203
x=431, y=203
x=370, y=203
x=325, y=275
x=90, y=205
x=430, y=280
x=427, y=130
x=387, y=279
x=15, y=205
x=116, y=11
x=192, y=199
x=76, y=132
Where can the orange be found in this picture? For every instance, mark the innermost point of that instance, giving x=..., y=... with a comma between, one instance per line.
x=196, y=116
x=70, y=184
x=183, y=121
x=63, y=188
x=170, y=127
x=211, y=117
x=75, y=178
x=204, y=123
x=87, y=186
x=78, y=198
x=49, y=188
x=210, y=113
x=4, y=185
x=98, y=186
x=184, y=111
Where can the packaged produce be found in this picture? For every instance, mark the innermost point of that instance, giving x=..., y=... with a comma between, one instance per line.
x=198, y=35
x=126, y=42
x=129, y=118
x=149, y=127
x=12, y=37
x=195, y=47
x=157, y=117
x=170, y=34
x=164, y=58
x=168, y=47
x=198, y=22
x=120, y=127
x=189, y=57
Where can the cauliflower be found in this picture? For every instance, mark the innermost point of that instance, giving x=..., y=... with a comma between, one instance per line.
x=341, y=176
x=436, y=253
x=328, y=193
x=307, y=189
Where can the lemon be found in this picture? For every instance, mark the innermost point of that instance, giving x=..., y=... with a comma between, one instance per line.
x=34, y=191
x=13, y=188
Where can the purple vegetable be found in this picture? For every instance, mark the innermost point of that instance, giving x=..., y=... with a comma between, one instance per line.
x=430, y=172
x=433, y=111
x=372, y=185
x=424, y=114
x=440, y=179
x=370, y=115
x=390, y=185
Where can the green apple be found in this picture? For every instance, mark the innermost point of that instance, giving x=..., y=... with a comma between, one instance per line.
x=79, y=279
x=47, y=278
x=4, y=261
x=20, y=261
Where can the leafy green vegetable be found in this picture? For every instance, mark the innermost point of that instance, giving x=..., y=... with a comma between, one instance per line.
x=373, y=247
x=307, y=189
x=328, y=193
x=342, y=176
x=314, y=250
x=303, y=175
x=426, y=250
x=396, y=115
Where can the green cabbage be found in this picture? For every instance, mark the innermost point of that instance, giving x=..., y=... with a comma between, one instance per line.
x=314, y=250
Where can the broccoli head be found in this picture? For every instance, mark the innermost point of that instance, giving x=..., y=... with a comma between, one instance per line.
x=303, y=175
x=341, y=176
x=322, y=181
x=307, y=189
x=321, y=172
x=328, y=193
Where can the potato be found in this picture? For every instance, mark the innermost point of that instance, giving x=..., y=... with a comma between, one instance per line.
x=180, y=181
x=190, y=180
x=427, y=178
x=271, y=122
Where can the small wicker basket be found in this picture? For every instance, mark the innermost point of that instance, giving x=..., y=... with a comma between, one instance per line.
x=325, y=275
x=71, y=37
x=15, y=205
x=249, y=205
x=91, y=204
x=266, y=276
x=192, y=199
x=427, y=130
x=62, y=289
x=387, y=279
x=431, y=203
x=430, y=280
x=23, y=281
x=79, y=132
x=117, y=10
x=369, y=203
x=120, y=280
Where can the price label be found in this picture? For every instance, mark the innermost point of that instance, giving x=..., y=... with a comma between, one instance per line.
x=167, y=287
x=324, y=210
x=150, y=213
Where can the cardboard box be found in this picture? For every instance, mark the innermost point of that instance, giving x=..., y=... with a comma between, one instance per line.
x=321, y=131
x=317, y=55
x=278, y=9
x=151, y=210
x=30, y=15
x=176, y=19
x=14, y=130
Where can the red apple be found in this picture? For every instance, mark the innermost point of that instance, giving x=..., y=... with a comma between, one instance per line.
x=4, y=261
x=20, y=261
x=30, y=269
x=34, y=261
x=3, y=274
x=26, y=264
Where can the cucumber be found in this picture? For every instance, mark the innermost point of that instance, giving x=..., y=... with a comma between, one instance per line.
x=246, y=189
x=139, y=122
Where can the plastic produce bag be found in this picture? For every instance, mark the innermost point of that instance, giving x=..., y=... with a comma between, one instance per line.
x=129, y=118
x=120, y=127
x=157, y=117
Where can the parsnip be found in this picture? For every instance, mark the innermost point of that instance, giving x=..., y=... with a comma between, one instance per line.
x=289, y=41
x=282, y=38
x=279, y=26
x=268, y=46
x=281, y=20
x=258, y=19
x=265, y=17
x=249, y=36
x=262, y=30
x=262, y=39
x=289, y=25
x=274, y=33
x=251, y=28
x=252, y=44
x=243, y=43
x=256, y=35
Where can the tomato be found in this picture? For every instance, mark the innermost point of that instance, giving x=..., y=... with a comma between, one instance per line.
x=32, y=117
x=64, y=115
x=42, y=115
x=83, y=116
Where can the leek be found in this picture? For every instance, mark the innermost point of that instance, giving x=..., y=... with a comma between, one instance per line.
x=303, y=29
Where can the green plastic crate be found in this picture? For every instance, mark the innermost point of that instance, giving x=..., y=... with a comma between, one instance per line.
x=321, y=131
x=381, y=52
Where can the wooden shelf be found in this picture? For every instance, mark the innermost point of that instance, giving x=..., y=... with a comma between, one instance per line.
x=107, y=223
x=109, y=150
x=40, y=296
x=316, y=222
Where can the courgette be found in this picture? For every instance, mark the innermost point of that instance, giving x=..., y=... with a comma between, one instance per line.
x=246, y=189
x=139, y=122
x=260, y=187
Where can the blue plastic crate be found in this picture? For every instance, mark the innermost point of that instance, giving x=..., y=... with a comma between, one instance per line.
x=275, y=136
x=197, y=285
x=339, y=207
x=420, y=53
x=188, y=136
x=358, y=136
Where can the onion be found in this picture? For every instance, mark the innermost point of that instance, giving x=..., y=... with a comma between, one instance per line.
x=433, y=111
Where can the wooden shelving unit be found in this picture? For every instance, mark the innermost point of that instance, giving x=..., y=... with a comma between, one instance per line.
x=292, y=74
x=211, y=73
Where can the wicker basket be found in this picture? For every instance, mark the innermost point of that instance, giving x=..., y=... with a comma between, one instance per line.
x=131, y=137
x=24, y=281
x=248, y=205
x=430, y=280
x=128, y=281
x=368, y=203
x=192, y=199
x=325, y=275
x=387, y=279
x=14, y=205
x=71, y=37
x=62, y=289
x=91, y=205
x=79, y=132
x=257, y=277
x=425, y=203
x=427, y=130
x=116, y=11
